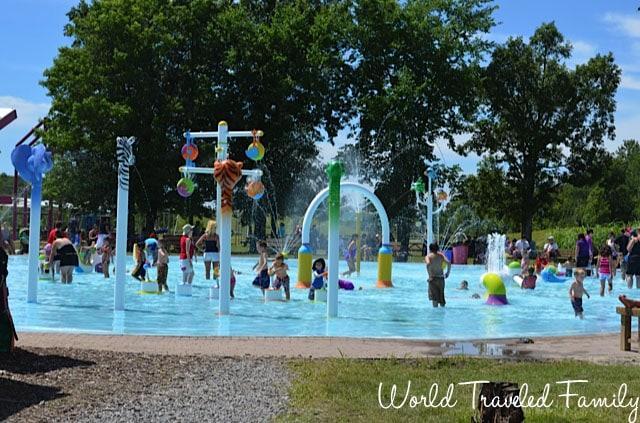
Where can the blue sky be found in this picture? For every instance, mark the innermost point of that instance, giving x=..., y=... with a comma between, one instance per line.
x=31, y=31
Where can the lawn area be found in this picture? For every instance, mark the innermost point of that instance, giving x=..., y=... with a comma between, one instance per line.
x=347, y=389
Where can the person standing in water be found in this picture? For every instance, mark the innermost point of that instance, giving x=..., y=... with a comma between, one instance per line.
x=187, y=251
x=211, y=249
x=62, y=249
x=434, y=261
x=350, y=255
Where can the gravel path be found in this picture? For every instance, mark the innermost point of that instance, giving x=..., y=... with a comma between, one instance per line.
x=80, y=385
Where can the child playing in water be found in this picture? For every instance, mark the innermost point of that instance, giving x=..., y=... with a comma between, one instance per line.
x=106, y=257
x=262, y=279
x=279, y=269
x=163, y=267
x=139, y=272
x=350, y=255
x=605, y=268
x=529, y=282
x=319, y=277
x=576, y=291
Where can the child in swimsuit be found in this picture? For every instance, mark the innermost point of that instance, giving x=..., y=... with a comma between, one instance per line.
x=139, y=272
x=163, y=267
x=319, y=277
x=106, y=257
x=262, y=280
x=576, y=291
x=529, y=281
x=279, y=269
x=605, y=268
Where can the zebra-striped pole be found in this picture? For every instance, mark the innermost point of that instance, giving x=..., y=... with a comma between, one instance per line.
x=124, y=154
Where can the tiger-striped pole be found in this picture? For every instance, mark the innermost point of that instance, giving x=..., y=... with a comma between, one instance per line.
x=124, y=154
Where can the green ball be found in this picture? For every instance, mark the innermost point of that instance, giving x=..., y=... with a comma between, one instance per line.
x=514, y=265
x=493, y=283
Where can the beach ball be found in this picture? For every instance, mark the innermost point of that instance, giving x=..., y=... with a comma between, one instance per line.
x=185, y=187
x=255, y=189
x=189, y=152
x=255, y=151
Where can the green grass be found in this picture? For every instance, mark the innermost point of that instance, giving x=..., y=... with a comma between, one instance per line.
x=339, y=390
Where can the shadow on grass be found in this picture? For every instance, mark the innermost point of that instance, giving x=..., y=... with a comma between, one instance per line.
x=16, y=396
x=25, y=362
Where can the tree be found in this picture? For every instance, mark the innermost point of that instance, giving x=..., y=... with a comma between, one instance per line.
x=416, y=65
x=155, y=68
x=489, y=194
x=542, y=118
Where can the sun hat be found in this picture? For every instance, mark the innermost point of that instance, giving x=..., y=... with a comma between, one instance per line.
x=186, y=228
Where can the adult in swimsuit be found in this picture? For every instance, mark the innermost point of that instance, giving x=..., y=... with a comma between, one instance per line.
x=211, y=248
x=63, y=249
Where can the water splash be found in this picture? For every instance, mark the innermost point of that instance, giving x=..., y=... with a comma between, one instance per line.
x=495, y=252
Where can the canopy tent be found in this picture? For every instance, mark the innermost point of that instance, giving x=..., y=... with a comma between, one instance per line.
x=7, y=116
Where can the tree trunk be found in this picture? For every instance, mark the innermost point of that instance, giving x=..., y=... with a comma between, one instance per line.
x=150, y=218
x=527, y=199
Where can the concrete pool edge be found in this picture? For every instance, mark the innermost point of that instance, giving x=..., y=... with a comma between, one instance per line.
x=601, y=348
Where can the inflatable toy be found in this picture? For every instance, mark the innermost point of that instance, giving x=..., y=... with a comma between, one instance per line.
x=548, y=275
x=496, y=291
x=518, y=280
x=255, y=151
x=254, y=189
x=513, y=268
x=189, y=152
x=185, y=187
x=346, y=285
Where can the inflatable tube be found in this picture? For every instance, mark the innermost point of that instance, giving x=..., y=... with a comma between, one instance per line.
x=550, y=277
x=518, y=280
x=346, y=285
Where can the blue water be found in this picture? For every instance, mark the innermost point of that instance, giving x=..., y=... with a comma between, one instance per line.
x=86, y=305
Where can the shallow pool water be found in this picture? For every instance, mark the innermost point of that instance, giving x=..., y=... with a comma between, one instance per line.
x=86, y=305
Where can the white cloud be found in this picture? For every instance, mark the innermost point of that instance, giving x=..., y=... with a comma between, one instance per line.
x=628, y=25
x=583, y=48
x=29, y=113
x=630, y=82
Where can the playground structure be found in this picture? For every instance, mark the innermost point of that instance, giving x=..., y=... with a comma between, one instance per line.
x=227, y=174
x=31, y=163
x=305, y=253
x=427, y=198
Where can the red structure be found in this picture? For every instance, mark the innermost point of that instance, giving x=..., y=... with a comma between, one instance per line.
x=7, y=116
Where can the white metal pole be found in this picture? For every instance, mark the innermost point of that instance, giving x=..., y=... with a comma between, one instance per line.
x=121, y=248
x=429, y=210
x=34, y=242
x=224, y=229
x=125, y=159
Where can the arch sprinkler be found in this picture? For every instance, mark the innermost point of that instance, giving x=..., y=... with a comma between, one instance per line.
x=305, y=253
